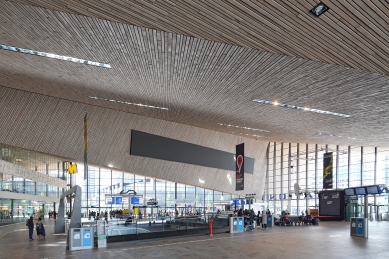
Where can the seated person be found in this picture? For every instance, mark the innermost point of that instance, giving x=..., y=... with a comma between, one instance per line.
x=307, y=219
x=287, y=220
x=302, y=217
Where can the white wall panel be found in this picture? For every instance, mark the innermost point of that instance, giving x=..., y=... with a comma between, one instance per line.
x=55, y=126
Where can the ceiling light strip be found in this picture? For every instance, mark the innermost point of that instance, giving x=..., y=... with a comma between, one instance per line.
x=241, y=127
x=337, y=136
x=301, y=108
x=250, y=135
x=123, y=102
x=55, y=56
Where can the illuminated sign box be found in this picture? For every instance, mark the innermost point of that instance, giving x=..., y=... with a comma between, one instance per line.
x=349, y=192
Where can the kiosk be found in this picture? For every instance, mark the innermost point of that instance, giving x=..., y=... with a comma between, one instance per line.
x=236, y=224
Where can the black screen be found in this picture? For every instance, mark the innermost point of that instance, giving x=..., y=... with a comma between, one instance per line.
x=330, y=203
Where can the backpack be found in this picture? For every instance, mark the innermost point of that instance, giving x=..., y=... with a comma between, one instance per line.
x=27, y=222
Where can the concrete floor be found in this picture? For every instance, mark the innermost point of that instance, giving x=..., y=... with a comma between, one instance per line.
x=328, y=240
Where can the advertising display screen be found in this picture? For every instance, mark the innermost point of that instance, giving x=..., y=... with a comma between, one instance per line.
x=349, y=192
x=360, y=191
x=372, y=190
x=329, y=204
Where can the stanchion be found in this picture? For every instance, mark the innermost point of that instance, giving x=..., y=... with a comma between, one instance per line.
x=210, y=226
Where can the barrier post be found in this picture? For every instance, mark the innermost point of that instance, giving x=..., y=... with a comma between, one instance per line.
x=210, y=226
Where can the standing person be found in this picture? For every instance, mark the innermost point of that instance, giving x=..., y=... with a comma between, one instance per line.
x=264, y=220
x=30, y=225
x=40, y=229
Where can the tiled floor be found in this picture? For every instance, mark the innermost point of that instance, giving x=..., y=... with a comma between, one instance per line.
x=328, y=240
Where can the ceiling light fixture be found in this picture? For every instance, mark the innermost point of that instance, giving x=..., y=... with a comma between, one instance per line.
x=241, y=127
x=123, y=102
x=55, y=56
x=250, y=135
x=337, y=136
x=319, y=9
x=301, y=108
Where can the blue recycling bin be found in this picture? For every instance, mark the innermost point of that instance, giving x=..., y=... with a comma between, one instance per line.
x=359, y=227
x=236, y=224
x=270, y=220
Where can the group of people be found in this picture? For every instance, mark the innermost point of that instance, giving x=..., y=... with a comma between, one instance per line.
x=40, y=229
x=52, y=214
x=98, y=215
x=250, y=217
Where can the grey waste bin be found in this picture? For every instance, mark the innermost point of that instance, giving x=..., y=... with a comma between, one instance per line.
x=359, y=227
x=80, y=238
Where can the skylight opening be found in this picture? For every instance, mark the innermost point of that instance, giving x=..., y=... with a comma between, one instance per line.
x=301, y=108
x=123, y=102
x=55, y=56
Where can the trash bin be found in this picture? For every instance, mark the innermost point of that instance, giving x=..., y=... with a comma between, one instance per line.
x=80, y=238
x=358, y=227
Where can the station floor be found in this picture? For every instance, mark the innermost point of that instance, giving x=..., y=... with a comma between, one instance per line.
x=328, y=240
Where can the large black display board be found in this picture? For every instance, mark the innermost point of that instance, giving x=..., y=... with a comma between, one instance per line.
x=153, y=146
x=331, y=203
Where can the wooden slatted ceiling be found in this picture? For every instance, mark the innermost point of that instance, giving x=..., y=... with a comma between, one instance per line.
x=351, y=34
x=202, y=82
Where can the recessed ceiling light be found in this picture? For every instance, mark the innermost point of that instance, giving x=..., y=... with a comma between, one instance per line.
x=123, y=102
x=301, y=108
x=319, y=9
x=241, y=127
x=55, y=56
x=250, y=135
x=110, y=165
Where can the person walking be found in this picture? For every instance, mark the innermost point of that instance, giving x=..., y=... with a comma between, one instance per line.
x=30, y=225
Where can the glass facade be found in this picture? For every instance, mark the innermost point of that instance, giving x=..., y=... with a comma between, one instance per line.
x=289, y=165
x=171, y=197
x=38, y=162
x=301, y=165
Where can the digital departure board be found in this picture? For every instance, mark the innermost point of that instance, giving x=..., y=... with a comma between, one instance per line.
x=372, y=189
x=360, y=191
x=349, y=192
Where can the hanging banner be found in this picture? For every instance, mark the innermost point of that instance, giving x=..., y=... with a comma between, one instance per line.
x=327, y=170
x=239, y=166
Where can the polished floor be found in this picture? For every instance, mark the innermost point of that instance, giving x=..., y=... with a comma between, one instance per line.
x=328, y=240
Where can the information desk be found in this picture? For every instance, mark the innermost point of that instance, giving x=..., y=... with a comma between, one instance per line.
x=359, y=227
x=236, y=224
